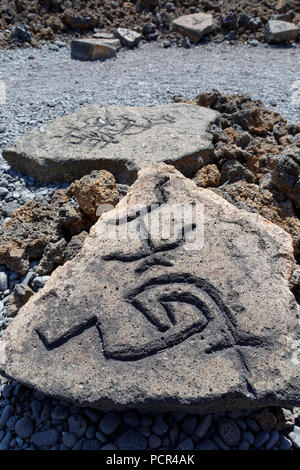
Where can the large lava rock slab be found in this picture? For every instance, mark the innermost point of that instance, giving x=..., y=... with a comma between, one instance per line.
x=119, y=139
x=154, y=323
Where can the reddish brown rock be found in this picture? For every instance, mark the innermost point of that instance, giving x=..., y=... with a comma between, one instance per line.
x=25, y=236
x=99, y=187
x=208, y=176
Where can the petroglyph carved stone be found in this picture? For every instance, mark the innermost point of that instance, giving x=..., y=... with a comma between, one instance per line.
x=156, y=322
x=120, y=139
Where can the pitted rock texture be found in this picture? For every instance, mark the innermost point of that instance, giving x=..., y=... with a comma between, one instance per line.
x=196, y=334
x=120, y=139
x=93, y=189
x=41, y=230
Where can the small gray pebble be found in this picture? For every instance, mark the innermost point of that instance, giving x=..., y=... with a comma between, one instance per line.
x=91, y=444
x=131, y=440
x=93, y=415
x=59, y=413
x=221, y=443
x=252, y=425
x=7, y=412
x=244, y=445
x=100, y=437
x=160, y=427
x=154, y=442
x=5, y=443
x=284, y=443
x=207, y=445
x=3, y=282
x=69, y=439
x=295, y=437
x=189, y=424
x=204, y=426
x=131, y=418
x=77, y=425
x=24, y=427
x=109, y=423
x=260, y=439
x=90, y=432
x=248, y=436
x=229, y=432
x=273, y=440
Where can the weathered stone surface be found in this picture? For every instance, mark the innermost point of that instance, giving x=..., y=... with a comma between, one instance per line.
x=281, y=31
x=151, y=323
x=93, y=49
x=127, y=37
x=119, y=139
x=194, y=26
x=208, y=176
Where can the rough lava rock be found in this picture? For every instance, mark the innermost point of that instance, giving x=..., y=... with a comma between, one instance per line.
x=200, y=328
x=94, y=189
x=25, y=236
x=116, y=138
x=40, y=230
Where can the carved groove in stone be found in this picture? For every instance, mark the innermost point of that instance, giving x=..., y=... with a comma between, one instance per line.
x=102, y=132
x=177, y=306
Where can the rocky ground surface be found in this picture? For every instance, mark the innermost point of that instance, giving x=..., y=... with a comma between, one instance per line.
x=46, y=20
x=255, y=166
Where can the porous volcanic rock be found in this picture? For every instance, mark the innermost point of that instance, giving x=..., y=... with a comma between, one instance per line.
x=285, y=169
x=25, y=236
x=116, y=138
x=94, y=189
x=165, y=324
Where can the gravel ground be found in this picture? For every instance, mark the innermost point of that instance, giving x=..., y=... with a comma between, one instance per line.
x=44, y=84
